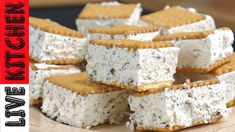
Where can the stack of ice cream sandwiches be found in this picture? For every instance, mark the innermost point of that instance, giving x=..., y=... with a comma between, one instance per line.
x=54, y=50
x=165, y=71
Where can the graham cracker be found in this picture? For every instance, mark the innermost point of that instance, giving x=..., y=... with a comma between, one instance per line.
x=172, y=17
x=36, y=102
x=131, y=44
x=226, y=68
x=231, y=103
x=187, y=35
x=80, y=84
x=203, y=70
x=50, y=67
x=53, y=27
x=124, y=29
x=98, y=11
x=180, y=86
x=140, y=88
x=177, y=127
x=58, y=62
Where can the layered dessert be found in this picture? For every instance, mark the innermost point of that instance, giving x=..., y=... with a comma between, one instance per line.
x=40, y=71
x=226, y=73
x=201, y=51
x=74, y=100
x=178, y=19
x=132, y=64
x=178, y=106
x=141, y=33
x=53, y=43
x=107, y=14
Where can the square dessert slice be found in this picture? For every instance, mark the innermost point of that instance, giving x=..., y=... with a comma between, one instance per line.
x=226, y=73
x=74, y=100
x=178, y=19
x=146, y=33
x=53, y=43
x=40, y=71
x=137, y=65
x=178, y=106
x=107, y=14
x=201, y=51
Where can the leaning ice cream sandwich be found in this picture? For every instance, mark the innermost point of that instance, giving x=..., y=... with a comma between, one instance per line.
x=107, y=14
x=201, y=51
x=38, y=73
x=226, y=73
x=74, y=100
x=53, y=43
x=178, y=19
x=132, y=64
x=178, y=106
x=144, y=33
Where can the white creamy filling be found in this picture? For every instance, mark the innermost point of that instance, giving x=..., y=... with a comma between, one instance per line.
x=200, y=53
x=84, y=111
x=47, y=46
x=202, y=25
x=229, y=78
x=180, y=107
x=124, y=66
x=37, y=78
x=139, y=36
x=83, y=25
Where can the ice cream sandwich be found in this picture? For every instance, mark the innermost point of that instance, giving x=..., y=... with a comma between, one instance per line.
x=201, y=51
x=40, y=71
x=178, y=106
x=178, y=19
x=53, y=43
x=74, y=100
x=107, y=14
x=131, y=64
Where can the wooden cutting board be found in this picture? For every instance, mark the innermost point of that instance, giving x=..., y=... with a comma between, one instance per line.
x=40, y=123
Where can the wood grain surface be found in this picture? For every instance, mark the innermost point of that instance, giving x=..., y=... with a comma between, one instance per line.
x=40, y=123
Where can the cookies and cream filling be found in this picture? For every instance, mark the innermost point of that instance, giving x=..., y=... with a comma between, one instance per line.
x=178, y=108
x=74, y=100
x=83, y=25
x=49, y=47
x=126, y=67
x=200, y=53
x=227, y=78
x=42, y=71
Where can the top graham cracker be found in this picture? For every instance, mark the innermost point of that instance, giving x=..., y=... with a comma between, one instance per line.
x=80, y=84
x=180, y=86
x=187, y=35
x=124, y=29
x=131, y=44
x=99, y=11
x=226, y=68
x=172, y=17
x=53, y=27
